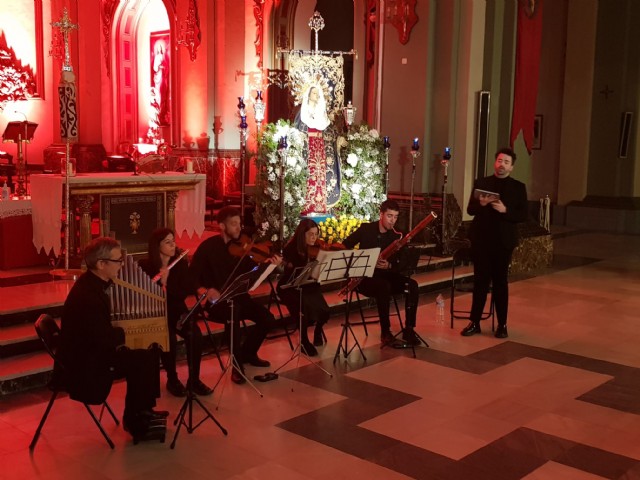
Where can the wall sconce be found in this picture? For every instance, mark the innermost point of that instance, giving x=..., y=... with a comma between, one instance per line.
x=349, y=113
x=402, y=15
x=190, y=35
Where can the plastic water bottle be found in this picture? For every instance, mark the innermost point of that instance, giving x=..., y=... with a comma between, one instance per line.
x=6, y=192
x=440, y=309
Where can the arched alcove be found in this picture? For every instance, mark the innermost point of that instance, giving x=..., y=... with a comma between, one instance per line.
x=144, y=69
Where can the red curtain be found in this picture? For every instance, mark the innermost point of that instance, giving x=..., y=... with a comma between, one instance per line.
x=529, y=36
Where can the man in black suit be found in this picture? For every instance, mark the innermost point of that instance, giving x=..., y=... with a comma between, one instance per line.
x=498, y=203
x=92, y=350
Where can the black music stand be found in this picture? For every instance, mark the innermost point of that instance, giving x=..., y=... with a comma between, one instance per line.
x=244, y=283
x=300, y=277
x=187, y=406
x=18, y=132
x=343, y=265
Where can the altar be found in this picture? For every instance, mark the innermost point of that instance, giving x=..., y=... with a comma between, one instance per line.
x=128, y=207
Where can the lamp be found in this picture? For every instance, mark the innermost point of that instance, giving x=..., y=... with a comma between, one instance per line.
x=446, y=157
x=259, y=108
x=349, y=113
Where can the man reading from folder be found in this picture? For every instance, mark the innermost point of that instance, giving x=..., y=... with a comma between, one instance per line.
x=386, y=281
x=498, y=203
x=213, y=268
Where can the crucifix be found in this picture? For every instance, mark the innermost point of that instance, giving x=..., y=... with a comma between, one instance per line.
x=606, y=92
x=65, y=27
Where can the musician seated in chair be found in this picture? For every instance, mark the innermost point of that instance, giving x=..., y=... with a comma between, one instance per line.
x=213, y=267
x=93, y=351
x=164, y=260
x=314, y=307
x=386, y=281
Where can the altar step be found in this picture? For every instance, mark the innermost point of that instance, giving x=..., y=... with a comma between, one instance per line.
x=25, y=365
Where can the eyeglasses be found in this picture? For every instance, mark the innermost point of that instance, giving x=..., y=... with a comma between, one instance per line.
x=117, y=260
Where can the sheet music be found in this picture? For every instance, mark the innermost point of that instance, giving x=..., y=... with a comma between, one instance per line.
x=267, y=271
x=345, y=264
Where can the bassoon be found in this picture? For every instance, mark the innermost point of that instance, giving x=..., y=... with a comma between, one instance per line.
x=391, y=249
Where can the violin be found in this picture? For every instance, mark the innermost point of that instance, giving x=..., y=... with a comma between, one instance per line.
x=246, y=246
x=314, y=250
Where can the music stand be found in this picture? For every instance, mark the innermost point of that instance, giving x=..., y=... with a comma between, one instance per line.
x=18, y=132
x=342, y=265
x=187, y=406
x=243, y=283
x=300, y=277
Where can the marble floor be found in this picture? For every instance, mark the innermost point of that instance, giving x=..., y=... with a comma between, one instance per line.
x=558, y=399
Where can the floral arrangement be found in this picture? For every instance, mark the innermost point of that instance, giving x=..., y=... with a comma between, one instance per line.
x=268, y=180
x=335, y=230
x=363, y=173
x=363, y=177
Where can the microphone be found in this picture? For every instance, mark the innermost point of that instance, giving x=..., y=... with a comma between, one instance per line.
x=20, y=113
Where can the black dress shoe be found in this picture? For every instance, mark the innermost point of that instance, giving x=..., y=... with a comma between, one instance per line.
x=256, y=361
x=154, y=413
x=471, y=329
x=501, y=332
x=309, y=349
x=409, y=336
x=386, y=337
x=201, y=389
x=236, y=377
x=176, y=388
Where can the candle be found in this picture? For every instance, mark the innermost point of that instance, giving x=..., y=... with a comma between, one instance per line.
x=386, y=143
x=189, y=164
x=416, y=145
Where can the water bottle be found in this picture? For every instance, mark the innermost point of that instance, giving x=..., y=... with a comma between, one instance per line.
x=440, y=309
x=6, y=192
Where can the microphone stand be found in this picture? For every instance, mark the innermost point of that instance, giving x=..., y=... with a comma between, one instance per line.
x=415, y=153
x=445, y=163
x=187, y=406
x=282, y=150
x=243, y=154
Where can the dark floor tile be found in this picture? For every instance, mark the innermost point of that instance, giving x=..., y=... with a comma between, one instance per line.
x=538, y=444
x=412, y=461
x=502, y=462
x=597, y=461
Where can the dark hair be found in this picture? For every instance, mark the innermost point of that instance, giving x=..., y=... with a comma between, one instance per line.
x=156, y=238
x=303, y=227
x=389, y=204
x=99, y=249
x=507, y=151
x=227, y=212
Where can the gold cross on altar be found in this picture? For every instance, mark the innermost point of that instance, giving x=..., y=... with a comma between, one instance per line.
x=65, y=26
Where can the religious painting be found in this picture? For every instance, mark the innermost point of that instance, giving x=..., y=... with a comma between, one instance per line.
x=132, y=218
x=21, y=54
x=160, y=63
x=537, y=133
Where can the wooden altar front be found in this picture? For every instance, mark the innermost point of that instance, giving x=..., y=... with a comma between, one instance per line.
x=117, y=194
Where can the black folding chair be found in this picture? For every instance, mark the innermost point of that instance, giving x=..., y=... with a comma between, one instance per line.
x=49, y=332
x=462, y=257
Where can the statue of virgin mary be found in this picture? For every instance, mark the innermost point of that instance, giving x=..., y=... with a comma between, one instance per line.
x=323, y=184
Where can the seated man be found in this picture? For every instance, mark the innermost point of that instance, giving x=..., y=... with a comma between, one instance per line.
x=93, y=351
x=386, y=281
x=212, y=269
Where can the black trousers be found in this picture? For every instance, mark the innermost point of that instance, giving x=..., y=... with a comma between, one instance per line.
x=314, y=307
x=141, y=370
x=490, y=268
x=385, y=283
x=244, y=307
x=192, y=336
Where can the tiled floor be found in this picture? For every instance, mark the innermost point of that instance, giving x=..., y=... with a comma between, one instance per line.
x=560, y=399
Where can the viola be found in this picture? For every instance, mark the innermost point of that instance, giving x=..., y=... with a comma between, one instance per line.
x=313, y=250
x=246, y=246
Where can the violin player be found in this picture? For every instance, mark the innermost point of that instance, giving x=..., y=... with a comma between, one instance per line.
x=302, y=248
x=212, y=268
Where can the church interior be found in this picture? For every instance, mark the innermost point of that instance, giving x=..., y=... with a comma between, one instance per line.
x=121, y=116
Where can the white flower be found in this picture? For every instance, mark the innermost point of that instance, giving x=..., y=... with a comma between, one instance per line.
x=274, y=237
x=271, y=177
x=348, y=172
x=356, y=188
x=352, y=159
x=291, y=161
x=359, y=150
x=374, y=133
x=288, y=199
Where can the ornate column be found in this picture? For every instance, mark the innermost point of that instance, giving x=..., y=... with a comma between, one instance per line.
x=84, y=203
x=172, y=198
